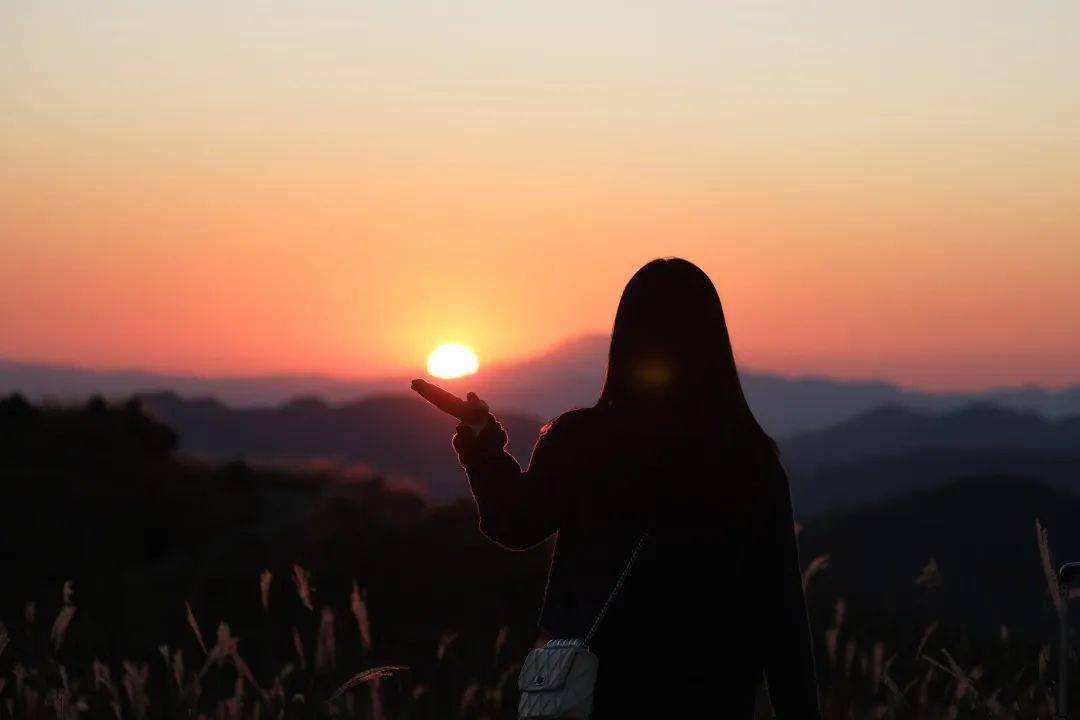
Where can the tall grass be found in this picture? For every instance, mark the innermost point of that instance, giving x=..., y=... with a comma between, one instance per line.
x=912, y=675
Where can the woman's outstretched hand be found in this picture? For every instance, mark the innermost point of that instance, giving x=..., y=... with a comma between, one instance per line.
x=472, y=410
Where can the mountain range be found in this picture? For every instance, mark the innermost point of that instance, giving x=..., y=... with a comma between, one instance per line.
x=567, y=376
x=891, y=450
x=881, y=453
x=844, y=443
x=401, y=438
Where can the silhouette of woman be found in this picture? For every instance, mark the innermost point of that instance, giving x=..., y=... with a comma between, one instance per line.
x=715, y=596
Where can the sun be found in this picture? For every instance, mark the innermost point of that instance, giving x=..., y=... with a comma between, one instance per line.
x=452, y=361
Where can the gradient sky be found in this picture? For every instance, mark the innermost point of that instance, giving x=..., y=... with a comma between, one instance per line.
x=887, y=190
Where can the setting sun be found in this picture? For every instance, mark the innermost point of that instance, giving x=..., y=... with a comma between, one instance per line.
x=452, y=361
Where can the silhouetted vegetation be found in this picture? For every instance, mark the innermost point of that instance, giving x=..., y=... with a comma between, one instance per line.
x=139, y=585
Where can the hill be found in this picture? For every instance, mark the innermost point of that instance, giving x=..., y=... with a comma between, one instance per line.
x=893, y=429
x=846, y=484
x=568, y=375
x=97, y=497
x=402, y=438
x=892, y=450
x=882, y=453
x=979, y=530
x=316, y=576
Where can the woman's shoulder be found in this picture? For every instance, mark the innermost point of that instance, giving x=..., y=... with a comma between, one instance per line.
x=570, y=423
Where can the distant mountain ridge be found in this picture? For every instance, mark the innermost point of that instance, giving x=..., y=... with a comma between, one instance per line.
x=402, y=438
x=567, y=376
x=883, y=453
x=817, y=489
x=891, y=429
x=892, y=450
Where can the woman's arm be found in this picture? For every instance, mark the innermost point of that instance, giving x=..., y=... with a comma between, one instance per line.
x=788, y=652
x=518, y=509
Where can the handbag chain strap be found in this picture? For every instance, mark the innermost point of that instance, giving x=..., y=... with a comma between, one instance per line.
x=615, y=590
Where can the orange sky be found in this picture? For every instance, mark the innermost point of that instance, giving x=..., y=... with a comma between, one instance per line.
x=888, y=192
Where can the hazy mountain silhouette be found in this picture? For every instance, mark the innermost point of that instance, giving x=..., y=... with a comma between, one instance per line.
x=844, y=442
x=892, y=450
x=403, y=438
x=981, y=533
x=883, y=453
x=892, y=429
x=839, y=484
x=567, y=376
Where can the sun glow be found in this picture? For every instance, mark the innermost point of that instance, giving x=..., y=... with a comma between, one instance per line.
x=452, y=361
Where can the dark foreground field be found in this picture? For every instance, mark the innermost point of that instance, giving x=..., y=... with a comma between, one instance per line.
x=138, y=585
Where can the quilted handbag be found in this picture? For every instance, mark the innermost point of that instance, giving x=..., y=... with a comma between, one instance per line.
x=557, y=680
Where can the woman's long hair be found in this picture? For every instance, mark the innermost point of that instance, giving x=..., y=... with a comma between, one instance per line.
x=671, y=364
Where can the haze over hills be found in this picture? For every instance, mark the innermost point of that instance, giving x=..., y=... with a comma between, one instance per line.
x=402, y=438
x=879, y=454
x=844, y=443
x=816, y=489
x=567, y=376
x=892, y=450
x=893, y=429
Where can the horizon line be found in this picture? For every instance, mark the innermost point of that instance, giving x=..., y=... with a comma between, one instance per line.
x=391, y=376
